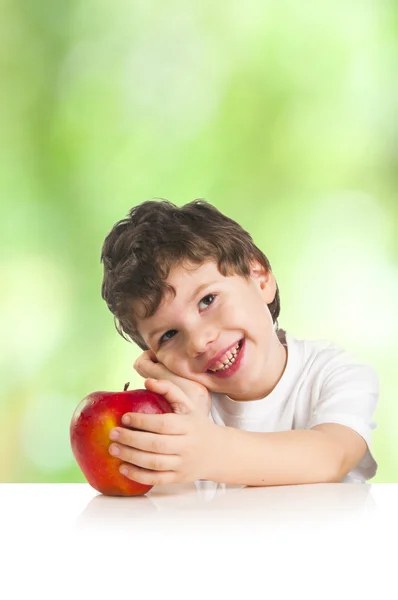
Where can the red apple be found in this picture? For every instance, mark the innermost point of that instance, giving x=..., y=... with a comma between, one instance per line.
x=91, y=423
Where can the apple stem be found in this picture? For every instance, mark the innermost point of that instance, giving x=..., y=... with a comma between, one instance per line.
x=126, y=385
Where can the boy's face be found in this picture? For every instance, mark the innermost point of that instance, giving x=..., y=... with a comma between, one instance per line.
x=216, y=317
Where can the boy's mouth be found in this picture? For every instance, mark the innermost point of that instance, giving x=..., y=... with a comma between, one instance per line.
x=229, y=362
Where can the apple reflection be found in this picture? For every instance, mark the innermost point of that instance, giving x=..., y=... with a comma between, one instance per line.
x=207, y=505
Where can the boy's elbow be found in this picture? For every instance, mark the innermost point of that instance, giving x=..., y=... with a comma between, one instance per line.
x=334, y=469
x=329, y=475
x=336, y=476
x=343, y=450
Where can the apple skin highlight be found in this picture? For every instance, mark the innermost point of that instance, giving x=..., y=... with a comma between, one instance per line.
x=91, y=422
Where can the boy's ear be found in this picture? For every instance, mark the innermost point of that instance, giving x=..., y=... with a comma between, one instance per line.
x=265, y=281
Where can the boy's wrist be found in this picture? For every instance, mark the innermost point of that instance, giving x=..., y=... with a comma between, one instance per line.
x=218, y=453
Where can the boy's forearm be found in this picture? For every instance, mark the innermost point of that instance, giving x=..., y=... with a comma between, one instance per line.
x=277, y=458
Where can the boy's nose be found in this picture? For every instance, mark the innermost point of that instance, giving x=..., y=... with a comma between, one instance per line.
x=200, y=343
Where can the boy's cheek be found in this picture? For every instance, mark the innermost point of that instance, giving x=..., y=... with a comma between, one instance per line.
x=179, y=371
x=173, y=365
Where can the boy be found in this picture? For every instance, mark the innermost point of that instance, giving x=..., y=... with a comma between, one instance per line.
x=252, y=405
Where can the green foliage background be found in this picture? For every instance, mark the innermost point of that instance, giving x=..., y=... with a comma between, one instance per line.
x=282, y=114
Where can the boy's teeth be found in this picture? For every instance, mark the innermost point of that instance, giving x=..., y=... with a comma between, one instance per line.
x=228, y=359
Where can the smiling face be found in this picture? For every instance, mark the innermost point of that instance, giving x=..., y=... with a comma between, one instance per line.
x=218, y=330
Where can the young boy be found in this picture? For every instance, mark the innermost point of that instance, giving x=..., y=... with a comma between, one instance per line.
x=252, y=405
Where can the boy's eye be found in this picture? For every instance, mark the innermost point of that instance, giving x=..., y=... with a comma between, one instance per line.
x=206, y=298
x=209, y=299
x=165, y=337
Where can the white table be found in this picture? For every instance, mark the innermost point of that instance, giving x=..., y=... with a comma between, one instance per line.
x=199, y=540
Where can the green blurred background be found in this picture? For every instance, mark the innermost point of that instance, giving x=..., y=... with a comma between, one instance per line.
x=282, y=114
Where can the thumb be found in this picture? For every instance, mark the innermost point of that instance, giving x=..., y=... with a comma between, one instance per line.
x=178, y=400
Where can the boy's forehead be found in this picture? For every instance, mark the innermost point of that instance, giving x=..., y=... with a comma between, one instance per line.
x=190, y=272
x=188, y=278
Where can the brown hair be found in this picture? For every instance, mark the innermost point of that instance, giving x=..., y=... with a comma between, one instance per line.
x=157, y=235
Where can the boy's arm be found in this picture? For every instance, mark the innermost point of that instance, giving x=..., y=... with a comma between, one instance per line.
x=186, y=446
x=323, y=454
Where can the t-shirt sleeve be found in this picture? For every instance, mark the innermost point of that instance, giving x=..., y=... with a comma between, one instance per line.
x=349, y=396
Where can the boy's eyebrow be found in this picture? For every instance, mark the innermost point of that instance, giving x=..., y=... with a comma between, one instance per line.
x=196, y=292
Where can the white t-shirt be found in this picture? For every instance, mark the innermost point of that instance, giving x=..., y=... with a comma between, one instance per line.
x=322, y=383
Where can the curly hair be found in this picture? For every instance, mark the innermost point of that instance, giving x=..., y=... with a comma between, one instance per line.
x=140, y=250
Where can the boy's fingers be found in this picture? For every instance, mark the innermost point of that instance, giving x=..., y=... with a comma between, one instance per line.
x=148, y=356
x=179, y=401
x=151, y=356
x=167, y=424
x=151, y=441
x=146, y=366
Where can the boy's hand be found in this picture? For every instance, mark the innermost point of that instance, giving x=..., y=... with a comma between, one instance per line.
x=177, y=447
x=147, y=365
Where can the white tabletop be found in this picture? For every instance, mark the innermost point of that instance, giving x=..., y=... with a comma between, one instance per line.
x=200, y=540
